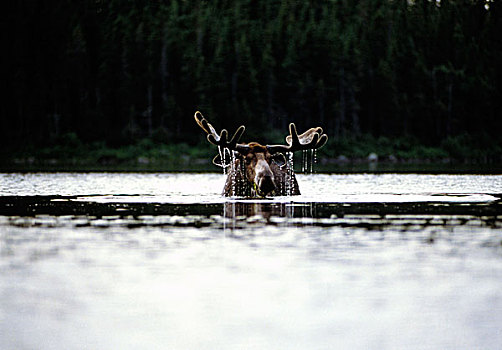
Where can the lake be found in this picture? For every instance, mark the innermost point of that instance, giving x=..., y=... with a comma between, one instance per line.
x=162, y=260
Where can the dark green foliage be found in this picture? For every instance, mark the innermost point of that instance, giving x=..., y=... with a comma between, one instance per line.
x=116, y=72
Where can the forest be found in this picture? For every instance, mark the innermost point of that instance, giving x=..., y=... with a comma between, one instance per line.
x=113, y=73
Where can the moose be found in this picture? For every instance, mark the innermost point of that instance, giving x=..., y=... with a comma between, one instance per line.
x=256, y=170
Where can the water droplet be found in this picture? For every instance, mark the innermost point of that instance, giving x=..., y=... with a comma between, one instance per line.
x=312, y=161
x=234, y=173
x=289, y=174
x=315, y=156
x=304, y=161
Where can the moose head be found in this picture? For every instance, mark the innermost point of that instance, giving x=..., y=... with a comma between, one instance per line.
x=262, y=167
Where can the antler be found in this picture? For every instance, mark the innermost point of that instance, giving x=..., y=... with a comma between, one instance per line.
x=313, y=138
x=221, y=140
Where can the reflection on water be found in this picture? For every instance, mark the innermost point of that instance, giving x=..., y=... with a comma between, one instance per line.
x=162, y=261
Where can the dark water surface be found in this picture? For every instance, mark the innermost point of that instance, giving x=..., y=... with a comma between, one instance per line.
x=131, y=260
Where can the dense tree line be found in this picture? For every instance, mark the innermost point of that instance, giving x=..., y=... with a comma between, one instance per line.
x=119, y=70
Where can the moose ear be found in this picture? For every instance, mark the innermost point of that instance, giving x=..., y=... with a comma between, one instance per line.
x=279, y=159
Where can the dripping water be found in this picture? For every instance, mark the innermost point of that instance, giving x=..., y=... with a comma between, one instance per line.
x=224, y=161
x=308, y=161
x=312, y=161
x=233, y=171
x=289, y=174
x=315, y=158
x=221, y=151
x=304, y=161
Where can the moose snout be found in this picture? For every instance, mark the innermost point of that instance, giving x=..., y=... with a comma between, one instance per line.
x=266, y=184
x=264, y=178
